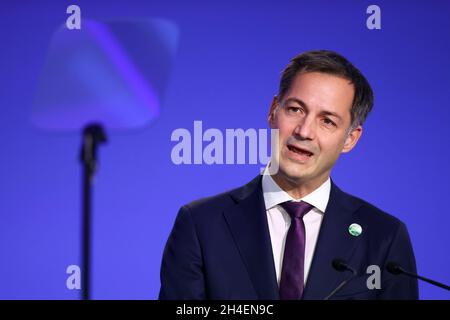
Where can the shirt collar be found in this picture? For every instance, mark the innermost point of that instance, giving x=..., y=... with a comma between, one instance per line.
x=274, y=195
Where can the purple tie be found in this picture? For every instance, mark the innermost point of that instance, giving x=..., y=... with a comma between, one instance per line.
x=292, y=272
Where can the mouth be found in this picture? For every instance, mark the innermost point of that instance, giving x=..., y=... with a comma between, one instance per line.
x=298, y=153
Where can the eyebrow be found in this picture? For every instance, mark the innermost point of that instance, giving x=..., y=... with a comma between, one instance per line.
x=303, y=104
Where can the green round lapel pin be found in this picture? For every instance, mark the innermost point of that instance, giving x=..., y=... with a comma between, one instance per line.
x=355, y=229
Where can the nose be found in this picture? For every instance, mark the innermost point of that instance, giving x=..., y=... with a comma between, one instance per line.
x=305, y=130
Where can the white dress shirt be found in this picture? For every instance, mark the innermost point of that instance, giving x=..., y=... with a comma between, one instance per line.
x=279, y=220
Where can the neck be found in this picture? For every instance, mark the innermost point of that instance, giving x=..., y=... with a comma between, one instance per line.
x=298, y=189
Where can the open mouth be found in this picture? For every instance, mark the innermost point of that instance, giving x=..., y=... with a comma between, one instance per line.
x=299, y=151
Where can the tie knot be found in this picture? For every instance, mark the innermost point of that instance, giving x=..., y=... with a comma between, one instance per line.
x=296, y=209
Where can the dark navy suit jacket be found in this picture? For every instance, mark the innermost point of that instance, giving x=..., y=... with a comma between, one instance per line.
x=220, y=248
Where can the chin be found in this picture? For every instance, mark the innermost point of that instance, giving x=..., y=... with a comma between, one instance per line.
x=293, y=172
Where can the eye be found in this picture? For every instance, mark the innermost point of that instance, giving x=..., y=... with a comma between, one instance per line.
x=294, y=109
x=328, y=122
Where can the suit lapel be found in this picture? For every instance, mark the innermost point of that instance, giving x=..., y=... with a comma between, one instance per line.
x=334, y=241
x=248, y=224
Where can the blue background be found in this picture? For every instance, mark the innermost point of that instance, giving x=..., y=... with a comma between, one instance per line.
x=226, y=72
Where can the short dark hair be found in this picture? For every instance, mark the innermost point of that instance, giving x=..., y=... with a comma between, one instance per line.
x=330, y=62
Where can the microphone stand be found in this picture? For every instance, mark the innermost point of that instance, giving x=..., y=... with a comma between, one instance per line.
x=396, y=269
x=93, y=136
x=341, y=266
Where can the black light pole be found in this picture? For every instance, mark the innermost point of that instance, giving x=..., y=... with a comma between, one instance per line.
x=93, y=136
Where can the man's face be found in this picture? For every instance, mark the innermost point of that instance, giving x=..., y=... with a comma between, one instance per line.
x=313, y=119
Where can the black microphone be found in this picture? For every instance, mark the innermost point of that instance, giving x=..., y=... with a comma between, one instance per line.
x=341, y=266
x=397, y=269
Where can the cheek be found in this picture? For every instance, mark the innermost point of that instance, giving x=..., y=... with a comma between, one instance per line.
x=285, y=128
x=330, y=148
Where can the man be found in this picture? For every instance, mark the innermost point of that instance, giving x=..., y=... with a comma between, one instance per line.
x=277, y=236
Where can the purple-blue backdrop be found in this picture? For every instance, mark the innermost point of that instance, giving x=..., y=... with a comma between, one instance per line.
x=226, y=71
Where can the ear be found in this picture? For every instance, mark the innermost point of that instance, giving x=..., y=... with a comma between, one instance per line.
x=271, y=117
x=352, y=139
